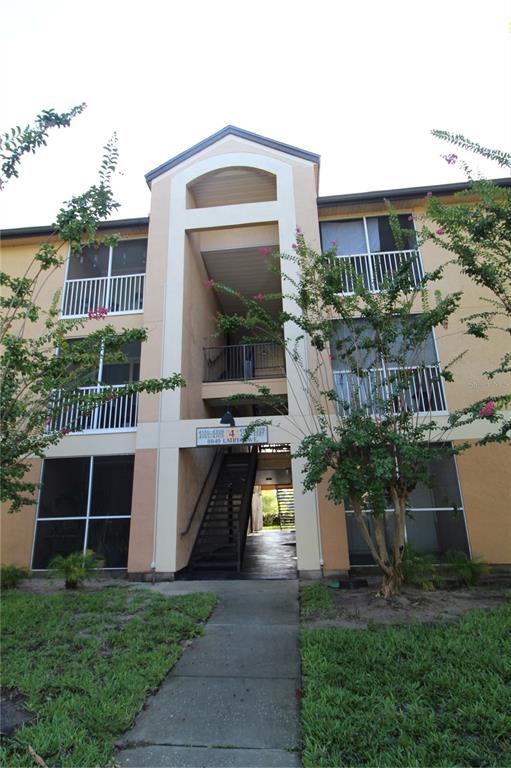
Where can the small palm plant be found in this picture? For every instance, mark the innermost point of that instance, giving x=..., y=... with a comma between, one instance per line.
x=76, y=567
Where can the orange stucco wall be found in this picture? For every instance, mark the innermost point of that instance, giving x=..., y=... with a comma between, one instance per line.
x=334, y=535
x=485, y=478
x=143, y=507
x=17, y=528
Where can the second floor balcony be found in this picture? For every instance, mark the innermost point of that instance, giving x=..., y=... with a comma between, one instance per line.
x=417, y=389
x=116, y=415
x=244, y=362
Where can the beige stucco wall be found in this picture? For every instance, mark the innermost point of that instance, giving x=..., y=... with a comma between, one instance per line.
x=141, y=547
x=17, y=528
x=485, y=478
x=194, y=464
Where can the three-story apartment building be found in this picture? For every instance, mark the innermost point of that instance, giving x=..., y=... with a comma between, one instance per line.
x=155, y=483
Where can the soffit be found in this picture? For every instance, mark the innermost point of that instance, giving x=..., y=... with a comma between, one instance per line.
x=245, y=270
x=229, y=186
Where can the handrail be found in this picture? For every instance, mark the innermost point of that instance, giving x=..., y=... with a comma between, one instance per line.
x=243, y=362
x=245, y=507
x=421, y=386
x=375, y=266
x=218, y=453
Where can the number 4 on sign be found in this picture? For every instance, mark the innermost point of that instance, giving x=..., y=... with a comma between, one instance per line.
x=232, y=435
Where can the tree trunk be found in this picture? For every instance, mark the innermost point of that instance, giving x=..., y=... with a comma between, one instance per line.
x=383, y=562
x=391, y=584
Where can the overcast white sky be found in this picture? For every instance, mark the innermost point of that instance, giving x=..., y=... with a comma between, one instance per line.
x=361, y=83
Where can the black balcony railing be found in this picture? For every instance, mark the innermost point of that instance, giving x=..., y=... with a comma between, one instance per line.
x=243, y=362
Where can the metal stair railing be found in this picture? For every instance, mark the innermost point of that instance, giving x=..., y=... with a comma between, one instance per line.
x=212, y=474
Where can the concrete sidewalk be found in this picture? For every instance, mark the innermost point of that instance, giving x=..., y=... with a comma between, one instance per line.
x=231, y=700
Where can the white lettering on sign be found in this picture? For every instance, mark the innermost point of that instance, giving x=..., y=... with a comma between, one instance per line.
x=230, y=435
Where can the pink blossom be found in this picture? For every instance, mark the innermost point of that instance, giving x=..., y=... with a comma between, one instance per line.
x=294, y=247
x=487, y=410
x=429, y=194
x=265, y=251
x=209, y=283
x=410, y=218
x=65, y=431
x=98, y=313
x=259, y=296
x=450, y=159
x=440, y=231
x=298, y=231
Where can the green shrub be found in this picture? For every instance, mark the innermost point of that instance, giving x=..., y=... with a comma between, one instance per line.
x=271, y=518
x=76, y=567
x=12, y=575
x=467, y=571
x=419, y=569
x=270, y=508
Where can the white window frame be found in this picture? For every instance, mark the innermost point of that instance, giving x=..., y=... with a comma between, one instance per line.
x=108, y=277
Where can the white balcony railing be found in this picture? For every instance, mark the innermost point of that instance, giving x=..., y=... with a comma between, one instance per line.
x=119, y=294
x=373, y=268
x=117, y=415
x=418, y=389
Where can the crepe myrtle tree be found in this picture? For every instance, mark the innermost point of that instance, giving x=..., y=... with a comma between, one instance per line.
x=372, y=436
x=41, y=371
x=476, y=231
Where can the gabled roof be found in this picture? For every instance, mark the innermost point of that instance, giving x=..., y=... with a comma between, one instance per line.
x=231, y=130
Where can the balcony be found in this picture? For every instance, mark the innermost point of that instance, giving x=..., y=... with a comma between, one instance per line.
x=117, y=415
x=418, y=389
x=244, y=362
x=120, y=294
x=374, y=268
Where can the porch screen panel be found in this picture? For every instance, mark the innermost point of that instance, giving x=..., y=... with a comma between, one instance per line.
x=110, y=540
x=112, y=486
x=129, y=257
x=91, y=262
x=64, y=488
x=57, y=538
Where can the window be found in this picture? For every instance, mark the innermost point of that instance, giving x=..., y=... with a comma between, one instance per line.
x=110, y=277
x=435, y=522
x=370, y=251
x=85, y=503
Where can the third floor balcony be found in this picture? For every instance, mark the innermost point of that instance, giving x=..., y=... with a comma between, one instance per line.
x=369, y=250
x=106, y=277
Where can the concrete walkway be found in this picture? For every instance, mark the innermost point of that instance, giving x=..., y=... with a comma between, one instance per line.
x=231, y=700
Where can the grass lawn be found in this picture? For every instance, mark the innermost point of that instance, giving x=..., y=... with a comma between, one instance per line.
x=409, y=696
x=85, y=662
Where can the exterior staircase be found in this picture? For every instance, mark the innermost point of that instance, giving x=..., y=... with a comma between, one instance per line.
x=220, y=542
x=286, y=504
